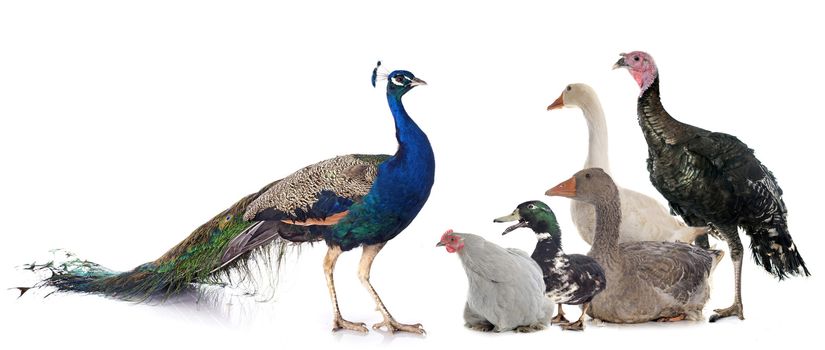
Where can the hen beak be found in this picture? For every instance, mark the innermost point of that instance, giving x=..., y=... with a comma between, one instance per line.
x=439, y=244
x=417, y=82
x=564, y=189
x=558, y=103
x=510, y=218
x=620, y=63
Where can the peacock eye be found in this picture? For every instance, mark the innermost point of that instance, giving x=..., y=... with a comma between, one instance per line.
x=228, y=217
x=587, y=175
x=569, y=87
x=531, y=206
x=399, y=79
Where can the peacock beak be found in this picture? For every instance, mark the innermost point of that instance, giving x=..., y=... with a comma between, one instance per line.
x=620, y=63
x=558, y=103
x=564, y=189
x=417, y=82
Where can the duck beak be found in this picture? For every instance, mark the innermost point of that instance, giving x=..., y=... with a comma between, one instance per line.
x=439, y=244
x=620, y=63
x=558, y=103
x=564, y=189
x=510, y=218
x=417, y=82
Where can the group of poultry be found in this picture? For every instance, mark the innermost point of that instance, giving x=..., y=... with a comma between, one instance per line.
x=644, y=264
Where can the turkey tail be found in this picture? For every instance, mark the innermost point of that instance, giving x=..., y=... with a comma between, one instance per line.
x=215, y=250
x=773, y=248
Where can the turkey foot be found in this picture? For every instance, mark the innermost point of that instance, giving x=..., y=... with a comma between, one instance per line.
x=393, y=326
x=531, y=328
x=481, y=327
x=733, y=310
x=339, y=323
x=575, y=326
x=679, y=317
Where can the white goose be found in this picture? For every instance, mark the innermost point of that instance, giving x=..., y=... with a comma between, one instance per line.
x=643, y=218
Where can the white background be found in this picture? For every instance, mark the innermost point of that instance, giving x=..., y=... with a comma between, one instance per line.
x=127, y=125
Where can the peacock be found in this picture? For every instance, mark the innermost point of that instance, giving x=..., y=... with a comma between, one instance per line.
x=712, y=178
x=347, y=201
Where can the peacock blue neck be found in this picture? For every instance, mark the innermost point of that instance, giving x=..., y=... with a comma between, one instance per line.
x=400, y=190
x=407, y=132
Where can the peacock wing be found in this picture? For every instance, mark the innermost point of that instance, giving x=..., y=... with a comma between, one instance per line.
x=301, y=206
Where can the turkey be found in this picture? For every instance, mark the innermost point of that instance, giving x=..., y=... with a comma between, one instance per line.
x=643, y=218
x=712, y=178
x=506, y=289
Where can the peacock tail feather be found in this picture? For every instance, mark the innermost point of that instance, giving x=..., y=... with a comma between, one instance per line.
x=195, y=260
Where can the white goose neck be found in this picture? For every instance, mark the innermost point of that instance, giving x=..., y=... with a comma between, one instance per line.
x=597, y=130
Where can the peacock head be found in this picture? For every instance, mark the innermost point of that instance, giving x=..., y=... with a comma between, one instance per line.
x=399, y=82
x=574, y=95
x=641, y=67
x=453, y=241
x=592, y=185
x=533, y=214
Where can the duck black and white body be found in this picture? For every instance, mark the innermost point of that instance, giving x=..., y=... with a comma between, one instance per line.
x=570, y=279
x=643, y=217
x=646, y=281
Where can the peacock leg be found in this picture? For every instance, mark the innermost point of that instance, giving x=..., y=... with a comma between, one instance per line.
x=559, y=317
x=364, y=267
x=337, y=322
x=578, y=325
x=731, y=235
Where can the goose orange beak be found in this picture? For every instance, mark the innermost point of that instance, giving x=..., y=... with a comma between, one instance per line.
x=564, y=189
x=558, y=103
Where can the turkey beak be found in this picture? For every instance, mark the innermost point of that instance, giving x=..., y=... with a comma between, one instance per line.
x=439, y=244
x=510, y=218
x=417, y=82
x=620, y=63
x=558, y=103
x=564, y=189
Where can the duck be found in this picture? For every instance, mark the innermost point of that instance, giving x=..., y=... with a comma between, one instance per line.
x=569, y=279
x=647, y=280
x=643, y=217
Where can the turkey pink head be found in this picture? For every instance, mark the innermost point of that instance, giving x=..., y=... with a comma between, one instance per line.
x=452, y=241
x=641, y=67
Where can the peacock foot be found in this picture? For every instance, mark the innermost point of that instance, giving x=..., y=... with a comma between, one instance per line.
x=559, y=319
x=575, y=326
x=339, y=323
x=733, y=310
x=679, y=317
x=393, y=326
x=531, y=328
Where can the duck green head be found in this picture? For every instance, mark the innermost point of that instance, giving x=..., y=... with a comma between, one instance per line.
x=533, y=214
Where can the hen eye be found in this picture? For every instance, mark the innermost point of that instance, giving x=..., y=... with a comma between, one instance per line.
x=569, y=87
x=587, y=175
x=636, y=58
